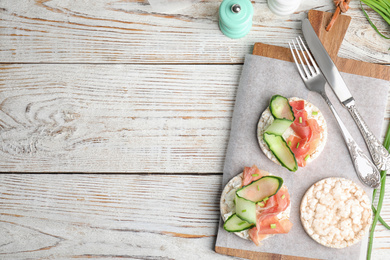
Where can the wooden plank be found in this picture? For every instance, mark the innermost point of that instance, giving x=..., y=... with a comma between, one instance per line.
x=65, y=216
x=100, y=31
x=115, y=118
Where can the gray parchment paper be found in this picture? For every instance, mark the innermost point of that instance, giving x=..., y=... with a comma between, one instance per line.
x=263, y=77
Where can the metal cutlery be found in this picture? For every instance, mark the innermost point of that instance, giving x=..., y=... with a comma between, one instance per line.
x=379, y=154
x=315, y=81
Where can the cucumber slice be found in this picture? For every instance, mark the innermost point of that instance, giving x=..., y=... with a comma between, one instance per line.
x=278, y=126
x=246, y=209
x=282, y=152
x=236, y=224
x=280, y=108
x=260, y=189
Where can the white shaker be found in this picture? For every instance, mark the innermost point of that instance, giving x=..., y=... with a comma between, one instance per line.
x=283, y=7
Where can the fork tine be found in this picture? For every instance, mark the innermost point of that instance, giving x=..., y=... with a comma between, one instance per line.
x=310, y=57
x=307, y=73
x=304, y=55
x=296, y=62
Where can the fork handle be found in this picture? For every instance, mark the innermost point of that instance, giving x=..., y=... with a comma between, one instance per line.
x=367, y=172
x=379, y=154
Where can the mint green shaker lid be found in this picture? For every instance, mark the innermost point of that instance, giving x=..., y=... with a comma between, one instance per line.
x=235, y=18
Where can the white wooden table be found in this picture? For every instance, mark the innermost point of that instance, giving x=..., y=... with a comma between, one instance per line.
x=114, y=121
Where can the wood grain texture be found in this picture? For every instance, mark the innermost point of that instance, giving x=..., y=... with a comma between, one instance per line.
x=100, y=31
x=115, y=118
x=67, y=216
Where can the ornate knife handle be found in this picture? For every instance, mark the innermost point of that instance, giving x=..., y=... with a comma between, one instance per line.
x=365, y=169
x=379, y=154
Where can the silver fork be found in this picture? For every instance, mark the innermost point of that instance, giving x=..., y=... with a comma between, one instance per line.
x=315, y=81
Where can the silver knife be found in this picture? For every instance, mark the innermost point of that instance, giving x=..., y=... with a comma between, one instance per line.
x=379, y=154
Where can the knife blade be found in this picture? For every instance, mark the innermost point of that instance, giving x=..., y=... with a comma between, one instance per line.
x=379, y=154
x=328, y=68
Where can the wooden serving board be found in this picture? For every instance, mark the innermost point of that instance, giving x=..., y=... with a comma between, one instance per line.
x=332, y=41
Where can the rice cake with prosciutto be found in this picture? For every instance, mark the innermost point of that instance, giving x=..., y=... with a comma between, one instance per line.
x=272, y=216
x=306, y=137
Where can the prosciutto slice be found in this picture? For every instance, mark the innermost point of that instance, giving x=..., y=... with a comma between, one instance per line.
x=267, y=213
x=251, y=174
x=266, y=217
x=308, y=133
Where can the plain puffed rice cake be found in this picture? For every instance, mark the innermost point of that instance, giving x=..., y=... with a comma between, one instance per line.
x=336, y=212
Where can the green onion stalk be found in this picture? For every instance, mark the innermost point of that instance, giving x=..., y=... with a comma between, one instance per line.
x=382, y=7
x=377, y=211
